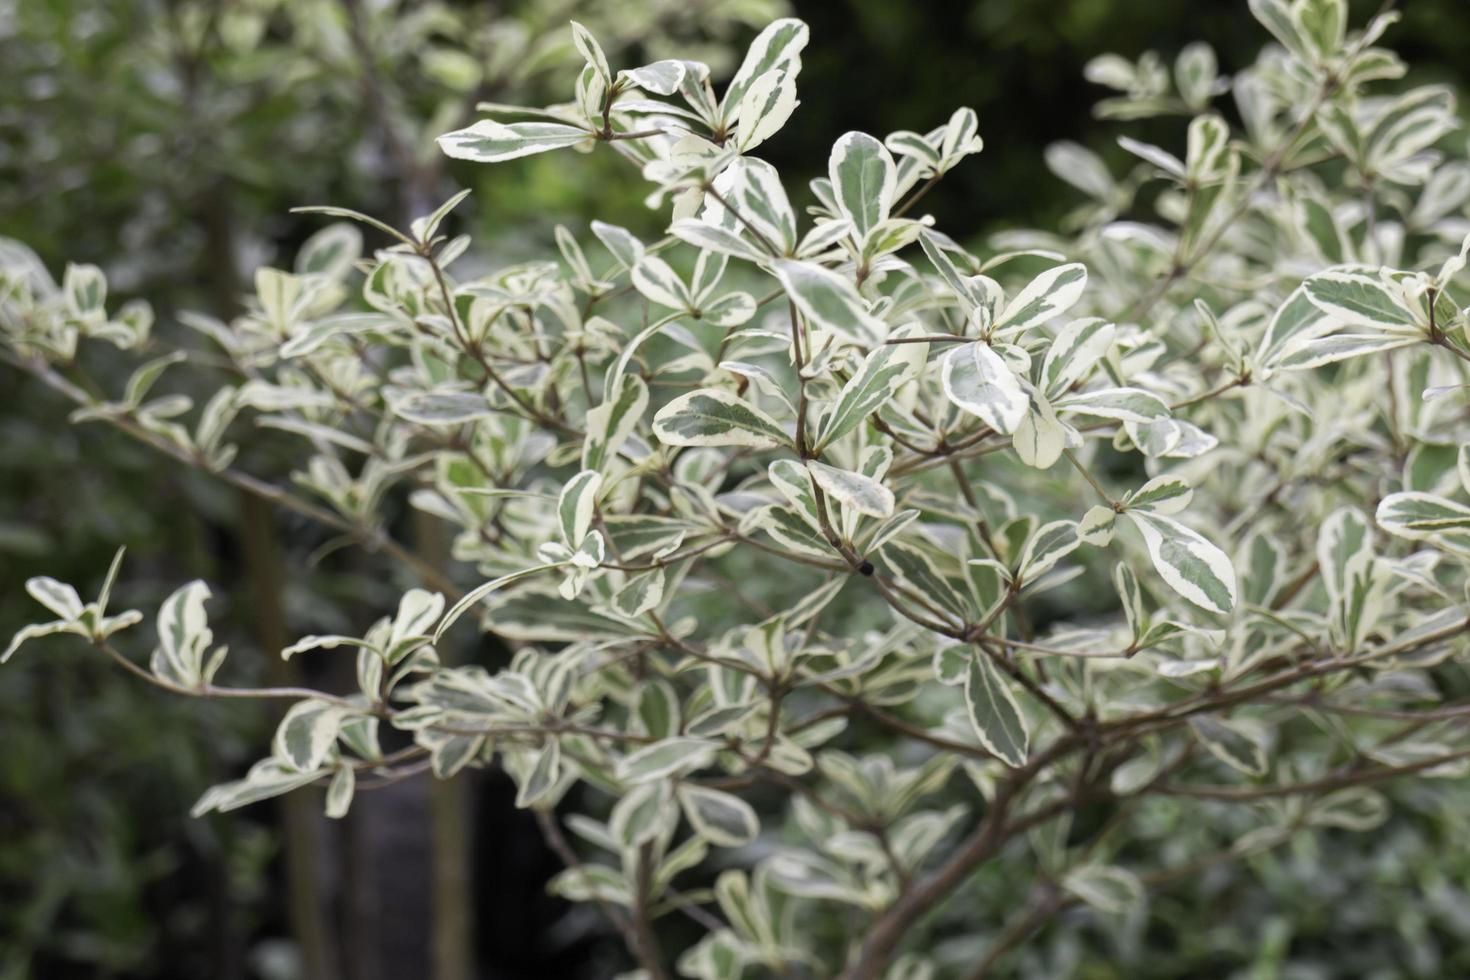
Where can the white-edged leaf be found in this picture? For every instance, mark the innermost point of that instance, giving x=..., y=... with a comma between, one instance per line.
x=1040, y=436
x=441, y=407
x=339, y=792
x=723, y=819
x=714, y=417
x=183, y=636
x=642, y=594
x=1070, y=358
x=33, y=632
x=1360, y=300
x=764, y=109
x=777, y=47
x=1231, y=743
x=674, y=755
x=654, y=279
x=1188, y=563
x=1048, y=545
x=479, y=593
x=575, y=506
x=828, y=300
x=884, y=371
x=1123, y=404
x=994, y=712
x=660, y=77
x=861, y=493
x=1106, y=888
x=863, y=181
x=488, y=141
x=1166, y=494
x=1049, y=294
x=56, y=596
x=1420, y=516
x=977, y=380
x=611, y=423
x=307, y=733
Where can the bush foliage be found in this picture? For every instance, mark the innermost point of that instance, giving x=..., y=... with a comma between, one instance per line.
x=852, y=572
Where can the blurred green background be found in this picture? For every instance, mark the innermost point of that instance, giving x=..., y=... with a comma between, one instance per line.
x=165, y=141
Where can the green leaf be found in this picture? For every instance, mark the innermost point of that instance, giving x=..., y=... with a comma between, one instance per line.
x=542, y=776
x=1265, y=567
x=1350, y=575
x=1196, y=72
x=1096, y=526
x=1323, y=23
x=488, y=141
x=1160, y=158
x=1345, y=548
x=994, y=712
x=863, y=181
x=1081, y=168
x=280, y=294
x=1298, y=319
x=886, y=369
x=919, y=570
x=977, y=294
x=714, y=417
x=1342, y=347
x=325, y=329
x=977, y=380
x=85, y=289
x=1189, y=564
x=330, y=252
x=622, y=243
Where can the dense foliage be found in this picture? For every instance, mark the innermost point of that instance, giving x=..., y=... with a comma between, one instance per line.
x=742, y=493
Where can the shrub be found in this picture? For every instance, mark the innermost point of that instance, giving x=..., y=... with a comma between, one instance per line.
x=848, y=570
